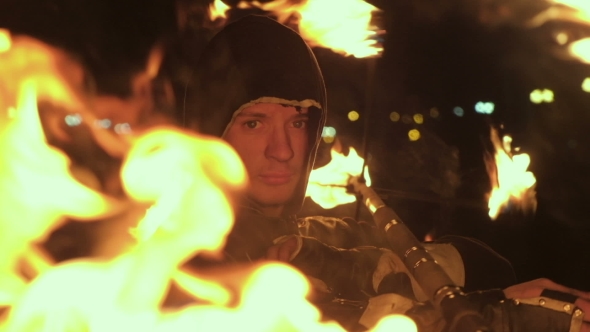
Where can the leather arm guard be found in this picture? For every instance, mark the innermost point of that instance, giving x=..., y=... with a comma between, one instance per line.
x=537, y=314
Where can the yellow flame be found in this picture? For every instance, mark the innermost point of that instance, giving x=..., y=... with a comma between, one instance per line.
x=5, y=41
x=183, y=178
x=581, y=6
x=345, y=29
x=396, y=323
x=512, y=184
x=217, y=10
x=36, y=188
x=327, y=184
x=186, y=178
x=580, y=49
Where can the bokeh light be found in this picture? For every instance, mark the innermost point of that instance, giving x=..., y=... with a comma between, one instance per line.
x=353, y=115
x=328, y=131
x=73, y=120
x=539, y=96
x=485, y=107
x=562, y=38
x=458, y=111
x=328, y=134
x=329, y=139
x=123, y=128
x=586, y=85
x=418, y=118
x=414, y=135
x=434, y=112
x=104, y=123
x=394, y=116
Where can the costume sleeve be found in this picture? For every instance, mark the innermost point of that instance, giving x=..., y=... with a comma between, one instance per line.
x=348, y=273
x=341, y=233
x=542, y=313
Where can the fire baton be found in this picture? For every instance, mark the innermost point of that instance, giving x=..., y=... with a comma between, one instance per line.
x=435, y=282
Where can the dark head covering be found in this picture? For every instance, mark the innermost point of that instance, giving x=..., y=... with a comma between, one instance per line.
x=256, y=60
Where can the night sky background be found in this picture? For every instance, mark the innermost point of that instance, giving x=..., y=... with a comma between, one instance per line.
x=438, y=55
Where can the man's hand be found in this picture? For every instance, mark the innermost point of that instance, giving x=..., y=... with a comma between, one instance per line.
x=285, y=248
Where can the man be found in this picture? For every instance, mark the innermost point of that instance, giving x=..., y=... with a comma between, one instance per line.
x=258, y=86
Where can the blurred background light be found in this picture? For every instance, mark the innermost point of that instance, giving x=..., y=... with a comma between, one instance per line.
x=394, y=116
x=458, y=111
x=434, y=112
x=414, y=135
x=104, y=123
x=542, y=96
x=418, y=118
x=353, y=115
x=486, y=107
x=328, y=131
x=562, y=38
x=123, y=128
x=73, y=120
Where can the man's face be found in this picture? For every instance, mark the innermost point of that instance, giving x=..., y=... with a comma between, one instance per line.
x=271, y=139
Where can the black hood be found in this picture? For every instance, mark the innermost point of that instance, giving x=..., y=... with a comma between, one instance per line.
x=254, y=60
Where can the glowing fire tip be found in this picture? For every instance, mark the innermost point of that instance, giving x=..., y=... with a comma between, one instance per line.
x=512, y=184
x=327, y=184
x=348, y=30
x=218, y=10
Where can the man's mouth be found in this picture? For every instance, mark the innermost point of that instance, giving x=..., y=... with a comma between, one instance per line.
x=275, y=179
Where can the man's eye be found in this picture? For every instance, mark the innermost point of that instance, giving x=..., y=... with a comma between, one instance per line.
x=252, y=124
x=300, y=124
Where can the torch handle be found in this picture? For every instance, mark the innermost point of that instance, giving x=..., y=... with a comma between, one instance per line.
x=433, y=280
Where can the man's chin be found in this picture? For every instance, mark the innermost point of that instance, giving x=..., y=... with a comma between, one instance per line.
x=276, y=199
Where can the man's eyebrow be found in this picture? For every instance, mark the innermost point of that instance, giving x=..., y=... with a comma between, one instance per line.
x=252, y=114
x=300, y=116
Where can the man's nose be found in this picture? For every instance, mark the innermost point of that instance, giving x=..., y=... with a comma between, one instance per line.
x=279, y=146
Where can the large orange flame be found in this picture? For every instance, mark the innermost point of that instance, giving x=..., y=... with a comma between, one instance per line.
x=344, y=27
x=327, y=184
x=36, y=188
x=185, y=178
x=512, y=184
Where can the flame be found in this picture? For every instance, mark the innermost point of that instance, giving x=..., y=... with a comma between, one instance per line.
x=185, y=179
x=36, y=187
x=581, y=7
x=347, y=30
x=580, y=49
x=512, y=184
x=217, y=10
x=573, y=11
x=327, y=184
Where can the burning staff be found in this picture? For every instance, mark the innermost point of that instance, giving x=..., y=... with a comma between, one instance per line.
x=425, y=269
